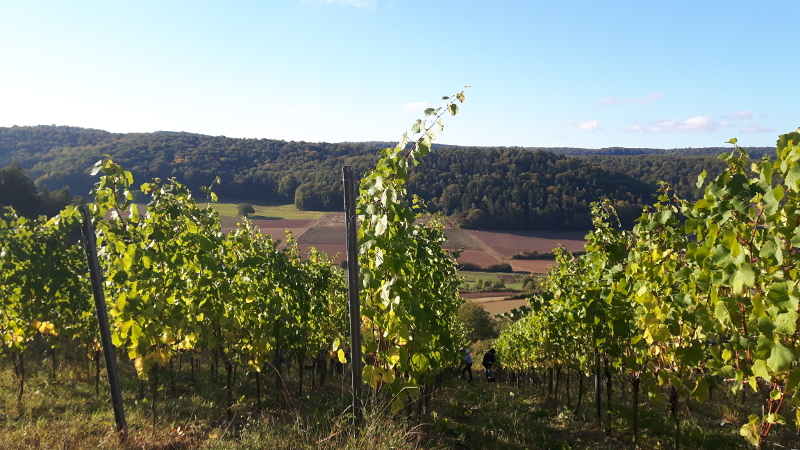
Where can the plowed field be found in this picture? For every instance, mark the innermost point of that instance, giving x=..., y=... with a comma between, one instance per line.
x=269, y=226
x=531, y=265
x=508, y=243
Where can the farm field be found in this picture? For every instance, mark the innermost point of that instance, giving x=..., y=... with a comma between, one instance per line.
x=265, y=210
x=494, y=302
x=325, y=231
x=458, y=238
x=479, y=257
x=502, y=306
x=273, y=227
x=511, y=281
x=505, y=244
x=271, y=218
x=531, y=265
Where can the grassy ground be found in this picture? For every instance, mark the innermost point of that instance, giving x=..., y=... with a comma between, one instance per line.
x=264, y=210
x=67, y=414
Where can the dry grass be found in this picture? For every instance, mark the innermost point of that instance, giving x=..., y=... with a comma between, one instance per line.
x=66, y=414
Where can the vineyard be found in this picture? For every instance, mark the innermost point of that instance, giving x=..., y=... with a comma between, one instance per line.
x=177, y=288
x=698, y=297
x=697, y=300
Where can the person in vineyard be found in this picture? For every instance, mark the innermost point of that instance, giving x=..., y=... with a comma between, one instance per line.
x=467, y=359
x=488, y=362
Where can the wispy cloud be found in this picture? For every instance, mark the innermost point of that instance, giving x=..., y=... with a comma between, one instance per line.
x=588, y=125
x=415, y=106
x=356, y=3
x=693, y=124
x=409, y=107
x=614, y=101
x=739, y=115
x=756, y=128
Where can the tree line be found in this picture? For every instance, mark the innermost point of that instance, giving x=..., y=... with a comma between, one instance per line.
x=479, y=187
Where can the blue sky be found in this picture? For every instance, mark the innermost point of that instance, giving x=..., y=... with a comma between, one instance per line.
x=542, y=73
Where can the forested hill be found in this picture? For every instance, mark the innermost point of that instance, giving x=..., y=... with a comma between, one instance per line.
x=480, y=187
x=754, y=152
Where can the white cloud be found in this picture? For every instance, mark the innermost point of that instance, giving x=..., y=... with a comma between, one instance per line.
x=588, y=125
x=699, y=123
x=415, y=106
x=356, y=3
x=756, y=128
x=743, y=115
x=614, y=101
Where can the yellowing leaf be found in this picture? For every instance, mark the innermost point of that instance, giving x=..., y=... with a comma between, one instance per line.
x=168, y=338
x=394, y=355
x=397, y=405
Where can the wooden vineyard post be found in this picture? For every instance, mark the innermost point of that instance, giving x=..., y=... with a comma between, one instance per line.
x=102, y=321
x=353, y=290
x=598, y=386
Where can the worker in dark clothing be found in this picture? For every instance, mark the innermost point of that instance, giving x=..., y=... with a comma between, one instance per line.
x=488, y=362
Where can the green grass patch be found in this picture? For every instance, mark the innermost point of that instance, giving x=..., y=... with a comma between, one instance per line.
x=265, y=210
x=471, y=277
x=457, y=238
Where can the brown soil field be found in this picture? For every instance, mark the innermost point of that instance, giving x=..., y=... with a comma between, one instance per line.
x=483, y=300
x=283, y=223
x=328, y=239
x=331, y=220
x=479, y=257
x=503, y=306
x=271, y=227
x=337, y=252
x=510, y=242
x=278, y=233
x=531, y=265
x=322, y=235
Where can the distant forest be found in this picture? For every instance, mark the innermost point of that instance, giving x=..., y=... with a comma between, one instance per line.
x=480, y=187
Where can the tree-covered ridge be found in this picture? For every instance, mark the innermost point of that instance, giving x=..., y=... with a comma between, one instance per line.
x=249, y=168
x=521, y=189
x=518, y=188
x=18, y=143
x=679, y=171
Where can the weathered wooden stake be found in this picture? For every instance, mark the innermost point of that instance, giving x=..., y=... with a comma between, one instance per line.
x=598, y=387
x=102, y=320
x=352, y=290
